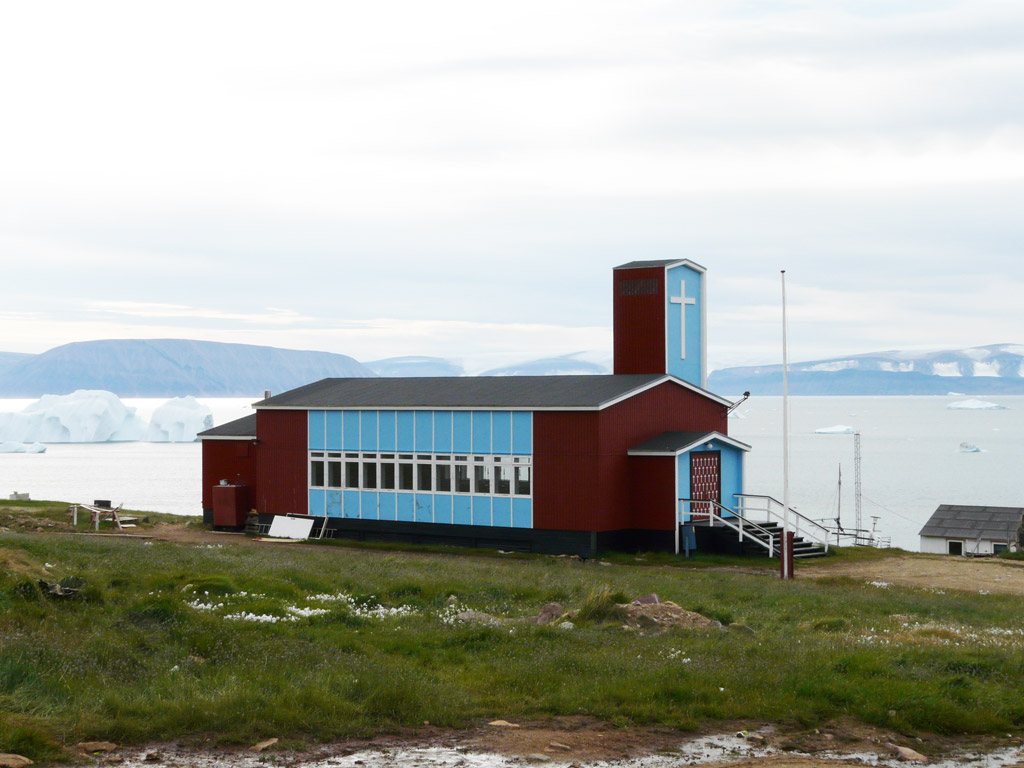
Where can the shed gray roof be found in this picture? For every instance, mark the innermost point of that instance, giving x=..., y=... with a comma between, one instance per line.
x=513, y=392
x=658, y=263
x=954, y=521
x=675, y=442
x=244, y=427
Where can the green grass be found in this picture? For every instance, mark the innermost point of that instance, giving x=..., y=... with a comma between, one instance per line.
x=146, y=652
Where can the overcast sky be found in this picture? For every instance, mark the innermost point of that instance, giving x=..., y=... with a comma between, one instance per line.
x=458, y=178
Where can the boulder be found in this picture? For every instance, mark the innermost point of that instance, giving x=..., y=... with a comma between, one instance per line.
x=651, y=599
x=92, y=747
x=663, y=616
x=550, y=613
x=260, y=746
x=11, y=760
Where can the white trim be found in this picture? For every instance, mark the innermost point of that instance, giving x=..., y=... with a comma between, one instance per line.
x=682, y=262
x=251, y=438
x=707, y=437
x=704, y=330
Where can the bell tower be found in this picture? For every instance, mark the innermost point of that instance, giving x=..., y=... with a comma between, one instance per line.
x=659, y=319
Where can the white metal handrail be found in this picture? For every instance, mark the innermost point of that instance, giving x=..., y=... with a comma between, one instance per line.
x=812, y=528
x=741, y=526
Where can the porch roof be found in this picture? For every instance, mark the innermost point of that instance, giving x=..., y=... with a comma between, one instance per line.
x=674, y=443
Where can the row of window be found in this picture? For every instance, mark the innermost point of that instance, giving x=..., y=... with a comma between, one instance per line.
x=469, y=474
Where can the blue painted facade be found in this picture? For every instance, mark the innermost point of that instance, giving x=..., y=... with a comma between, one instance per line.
x=731, y=473
x=488, y=433
x=685, y=362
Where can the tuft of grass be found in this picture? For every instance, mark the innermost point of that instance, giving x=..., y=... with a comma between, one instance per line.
x=602, y=605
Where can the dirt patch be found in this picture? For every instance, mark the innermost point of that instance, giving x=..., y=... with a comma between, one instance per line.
x=984, y=575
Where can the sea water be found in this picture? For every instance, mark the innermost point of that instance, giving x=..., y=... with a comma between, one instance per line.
x=910, y=446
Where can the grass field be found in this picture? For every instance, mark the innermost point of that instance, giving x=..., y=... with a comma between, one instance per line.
x=312, y=642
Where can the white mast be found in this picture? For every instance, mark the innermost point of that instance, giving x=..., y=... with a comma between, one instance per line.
x=787, y=564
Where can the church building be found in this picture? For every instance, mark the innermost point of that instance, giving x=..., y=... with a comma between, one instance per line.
x=552, y=464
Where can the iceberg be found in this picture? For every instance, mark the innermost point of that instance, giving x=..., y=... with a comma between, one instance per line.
x=969, y=448
x=84, y=416
x=178, y=420
x=9, y=446
x=975, y=405
x=838, y=429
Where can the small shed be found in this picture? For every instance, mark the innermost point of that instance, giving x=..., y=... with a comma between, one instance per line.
x=955, y=529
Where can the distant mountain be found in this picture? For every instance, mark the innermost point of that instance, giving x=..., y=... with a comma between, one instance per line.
x=171, y=367
x=565, y=365
x=413, y=365
x=10, y=359
x=990, y=370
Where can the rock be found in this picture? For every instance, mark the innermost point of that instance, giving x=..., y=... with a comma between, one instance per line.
x=567, y=625
x=603, y=562
x=560, y=745
x=549, y=613
x=11, y=760
x=503, y=724
x=908, y=754
x=651, y=599
x=153, y=757
x=263, y=745
x=479, y=617
x=538, y=757
x=757, y=738
x=92, y=747
x=663, y=616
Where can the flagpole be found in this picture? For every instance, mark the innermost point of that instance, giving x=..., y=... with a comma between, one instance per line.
x=787, y=563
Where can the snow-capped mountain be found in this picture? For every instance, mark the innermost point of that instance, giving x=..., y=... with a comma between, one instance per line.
x=565, y=365
x=415, y=365
x=996, y=368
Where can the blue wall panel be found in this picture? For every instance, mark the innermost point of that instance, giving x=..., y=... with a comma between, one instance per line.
x=462, y=510
x=481, y=431
x=462, y=428
x=425, y=431
x=501, y=440
x=481, y=510
x=368, y=505
x=351, y=427
x=388, y=509
x=317, y=500
x=405, y=507
x=502, y=512
x=386, y=430
x=368, y=437
x=442, y=432
x=688, y=368
x=316, y=430
x=522, y=513
x=333, y=504
x=334, y=431
x=443, y=508
x=424, y=508
x=406, y=419
x=350, y=504
x=522, y=432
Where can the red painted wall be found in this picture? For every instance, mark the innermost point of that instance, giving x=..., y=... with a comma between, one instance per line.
x=584, y=479
x=231, y=460
x=652, y=484
x=281, y=475
x=639, y=323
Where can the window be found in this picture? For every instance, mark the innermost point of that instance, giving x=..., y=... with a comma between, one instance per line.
x=404, y=476
x=334, y=474
x=503, y=479
x=462, y=484
x=481, y=479
x=443, y=477
x=522, y=485
x=351, y=474
x=316, y=470
x=423, y=473
x=997, y=548
x=387, y=476
x=370, y=475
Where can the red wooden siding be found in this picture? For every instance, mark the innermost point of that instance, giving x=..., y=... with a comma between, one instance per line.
x=231, y=460
x=639, y=323
x=582, y=470
x=665, y=408
x=565, y=467
x=282, y=479
x=652, y=484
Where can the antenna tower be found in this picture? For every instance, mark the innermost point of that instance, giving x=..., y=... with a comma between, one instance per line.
x=858, y=525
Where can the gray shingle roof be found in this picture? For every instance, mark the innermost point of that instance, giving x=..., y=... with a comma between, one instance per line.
x=654, y=263
x=671, y=442
x=469, y=392
x=954, y=521
x=243, y=427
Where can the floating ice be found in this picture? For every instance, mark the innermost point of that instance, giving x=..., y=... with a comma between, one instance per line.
x=838, y=429
x=969, y=448
x=178, y=421
x=975, y=405
x=12, y=447
x=84, y=416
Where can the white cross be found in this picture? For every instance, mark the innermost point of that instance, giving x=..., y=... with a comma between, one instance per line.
x=682, y=301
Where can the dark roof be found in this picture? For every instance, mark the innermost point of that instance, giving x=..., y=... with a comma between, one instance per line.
x=524, y=392
x=673, y=442
x=243, y=427
x=654, y=263
x=953, y=521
